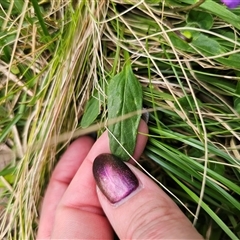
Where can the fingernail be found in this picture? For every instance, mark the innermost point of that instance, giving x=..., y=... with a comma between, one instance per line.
x=113, y=177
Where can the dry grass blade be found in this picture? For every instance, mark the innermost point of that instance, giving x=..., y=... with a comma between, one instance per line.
x=65, y=86
x=189, y=71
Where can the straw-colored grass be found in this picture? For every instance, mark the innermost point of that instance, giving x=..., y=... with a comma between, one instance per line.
x=56, y=55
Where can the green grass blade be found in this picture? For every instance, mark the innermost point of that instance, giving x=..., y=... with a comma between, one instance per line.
x=207, y=209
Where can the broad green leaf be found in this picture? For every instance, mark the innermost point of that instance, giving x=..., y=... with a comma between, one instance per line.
x=188, y=103
x=219, y=10
x=124, y=96
x=228, y=34
x=179, y=43
x=202, y=19
x=196, y=153
x=237, y=99
x=207, y=45
x=9, y=175
x=14, y=69
x=19, y=5
x=217, y=168
x=91, y=112
x=231, y=61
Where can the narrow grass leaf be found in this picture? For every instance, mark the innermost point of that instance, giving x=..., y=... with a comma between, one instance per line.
x=212, y=190
x=40, y=17
x=8, y=128
x=225, y=228
x=192, y=167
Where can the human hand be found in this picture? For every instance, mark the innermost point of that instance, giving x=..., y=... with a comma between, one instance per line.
x=73, y=208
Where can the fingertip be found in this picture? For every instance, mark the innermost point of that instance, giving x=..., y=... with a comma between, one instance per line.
x=143, y=127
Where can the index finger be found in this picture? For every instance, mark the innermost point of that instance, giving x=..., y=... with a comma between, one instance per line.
x=60, y=179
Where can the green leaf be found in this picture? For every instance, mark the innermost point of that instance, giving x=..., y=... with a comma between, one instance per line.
x=8, y=173
x=203, y=19
x=207, y=45
x=208, y=210
x=124, y=96
x=91, y=111
x=228, y=34
x=217, y=168
x=3, y=111
x=179, y=43
x=237, y=99
x=8, y=128
x=187, y=102
x=219, y=10
x=153, y=1
x=231, y=61
x=14, y=69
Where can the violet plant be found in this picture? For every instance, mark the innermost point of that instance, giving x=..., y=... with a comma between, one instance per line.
x=231, y=3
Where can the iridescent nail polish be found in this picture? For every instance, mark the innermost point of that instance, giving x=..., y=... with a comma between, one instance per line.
x=113, y=177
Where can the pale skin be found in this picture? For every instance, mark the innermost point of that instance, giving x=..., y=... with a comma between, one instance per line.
x=73, y=208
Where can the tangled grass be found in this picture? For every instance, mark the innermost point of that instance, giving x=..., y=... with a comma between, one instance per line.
x=56, y=55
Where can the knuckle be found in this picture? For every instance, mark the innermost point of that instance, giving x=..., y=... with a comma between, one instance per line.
x=152, y=221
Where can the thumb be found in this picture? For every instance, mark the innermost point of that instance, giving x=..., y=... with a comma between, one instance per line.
x=135, y=206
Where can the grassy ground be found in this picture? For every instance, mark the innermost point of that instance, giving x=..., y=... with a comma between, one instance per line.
x=57, y=55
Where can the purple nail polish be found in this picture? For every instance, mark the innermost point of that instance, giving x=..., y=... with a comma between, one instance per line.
x=113, y=177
